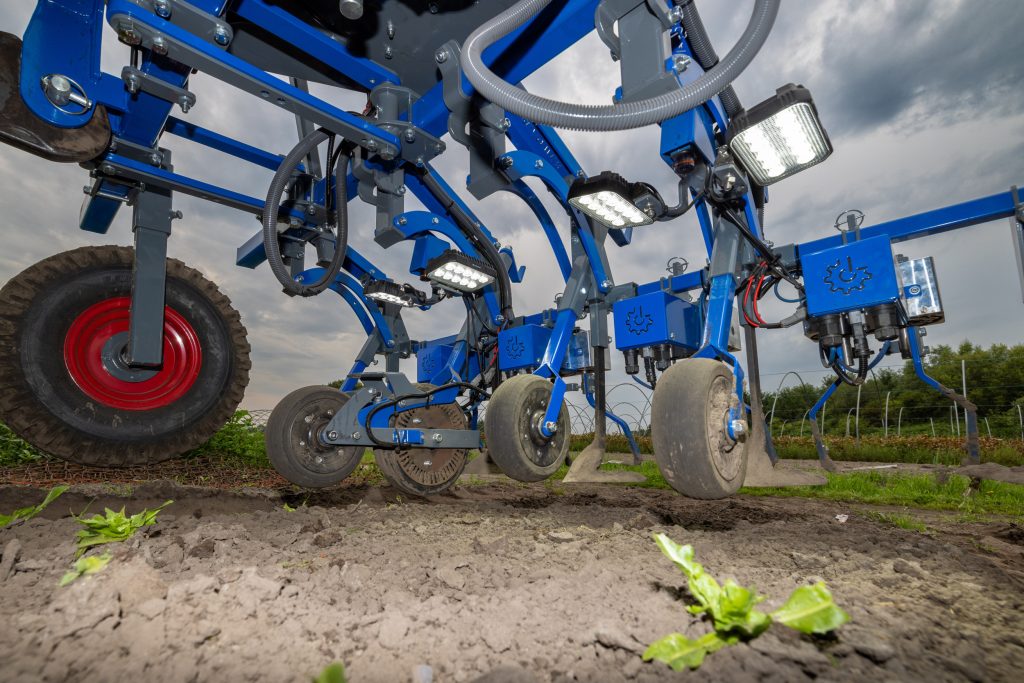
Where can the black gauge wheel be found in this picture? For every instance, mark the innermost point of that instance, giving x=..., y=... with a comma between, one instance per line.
x=515, y=416
x=693, y=449
x=293, y=439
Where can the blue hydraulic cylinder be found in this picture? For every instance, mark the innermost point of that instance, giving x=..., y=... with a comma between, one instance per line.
x=850, y=277
x=656, y=318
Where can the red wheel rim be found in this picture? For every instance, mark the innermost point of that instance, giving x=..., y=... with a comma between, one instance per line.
x=96, y=325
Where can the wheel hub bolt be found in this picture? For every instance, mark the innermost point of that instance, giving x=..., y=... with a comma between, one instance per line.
x=739, y=429
x=551, y=426
x=332, y=435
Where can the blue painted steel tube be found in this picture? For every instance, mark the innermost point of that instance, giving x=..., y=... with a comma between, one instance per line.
x=974, y=212
x=715, y=343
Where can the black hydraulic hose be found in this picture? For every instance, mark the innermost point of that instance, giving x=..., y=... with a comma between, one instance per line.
x=469, y=226
x=273, y=205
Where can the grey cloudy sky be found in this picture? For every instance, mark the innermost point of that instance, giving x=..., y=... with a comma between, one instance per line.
x=922, y=100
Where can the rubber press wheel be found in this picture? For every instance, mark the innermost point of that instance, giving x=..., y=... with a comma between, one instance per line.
x=515, y=415
x=425, y=471
x=694, y=452
x=65, y=386
x=293, y=444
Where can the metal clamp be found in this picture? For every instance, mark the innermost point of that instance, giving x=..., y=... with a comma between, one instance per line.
x=136, y=80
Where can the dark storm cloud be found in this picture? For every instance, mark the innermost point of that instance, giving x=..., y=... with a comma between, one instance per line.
x=911, y=62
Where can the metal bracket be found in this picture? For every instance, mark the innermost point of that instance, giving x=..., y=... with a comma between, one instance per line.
x=151, y=223
x=192, y=19
x=487, y=123
x=136, y=80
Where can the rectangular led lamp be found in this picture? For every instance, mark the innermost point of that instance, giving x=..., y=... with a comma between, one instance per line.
x=610, y=200
x=456, y=271
x=780, y=136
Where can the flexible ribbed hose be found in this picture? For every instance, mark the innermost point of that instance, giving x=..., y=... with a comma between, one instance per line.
x=270, y=210
x=624, y=115
x=705, y=52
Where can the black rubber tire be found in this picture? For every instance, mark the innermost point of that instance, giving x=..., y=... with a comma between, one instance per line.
x=511, y=425
x=693, y=452
x=396, y=465
x=292, y=444
x=41, y=402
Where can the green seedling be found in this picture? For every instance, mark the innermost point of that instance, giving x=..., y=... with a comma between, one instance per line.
x=732, y=611
x=33, y=510
x=288, y=508
x=85, y=566
x=332, y=673
x=113, y=527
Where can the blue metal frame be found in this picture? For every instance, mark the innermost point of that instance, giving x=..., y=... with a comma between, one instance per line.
x=65, y=36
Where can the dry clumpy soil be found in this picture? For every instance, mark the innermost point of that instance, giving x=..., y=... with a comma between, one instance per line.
x=494, y=582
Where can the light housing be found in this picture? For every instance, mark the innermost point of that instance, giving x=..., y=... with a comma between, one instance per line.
x=459, y=272
x=611, y=200
x=388, y=292
x=780, y=136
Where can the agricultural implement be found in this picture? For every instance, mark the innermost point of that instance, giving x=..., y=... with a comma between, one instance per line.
x=114, y=355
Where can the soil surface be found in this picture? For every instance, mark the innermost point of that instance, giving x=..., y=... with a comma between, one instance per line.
x=493, y=582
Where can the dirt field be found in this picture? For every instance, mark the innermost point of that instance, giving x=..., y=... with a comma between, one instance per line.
x=495, y=582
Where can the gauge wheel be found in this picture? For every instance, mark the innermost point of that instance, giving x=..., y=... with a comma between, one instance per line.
x=515, y=415
x=425, y=471
x=694, y=452
x=65, y=386
x=293, y=439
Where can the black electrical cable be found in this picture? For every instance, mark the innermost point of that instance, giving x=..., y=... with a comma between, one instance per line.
x=472, y=230
x=423, y=395
x=273, y=204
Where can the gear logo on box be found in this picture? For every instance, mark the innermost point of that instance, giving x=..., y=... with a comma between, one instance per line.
x=845, y=278
x=514, y=349
x=638, y=322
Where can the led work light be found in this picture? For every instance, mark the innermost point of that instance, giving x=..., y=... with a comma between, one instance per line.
x=610, y=200
x=780, y=136
x=457, y=271
x=389, y=292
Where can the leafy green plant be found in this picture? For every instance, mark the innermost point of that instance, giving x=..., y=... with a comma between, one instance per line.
x=14, y=450
x=241, y=438
x=84, y=566
x=332, y=673
x=113, y=527
x=731, y=609
x=33, y=510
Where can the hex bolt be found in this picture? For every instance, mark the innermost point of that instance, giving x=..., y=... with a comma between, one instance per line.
x=311, y=210
x=505, y=124
x=402, y=220
x=675, y=15
x=356, y=436
x=551, y=426
x=156, y=159
x=437, y=438
x=162, y=9
x=391, y=30
x=159, y=46
x=185, y=104
x=410, y=135
x=332, y=435
x=302, y=443
x=371, y=145
x=132, y=83
x=681, y=63
x=307, y=419
x=221, y=36
x=435, y=220
x=441, y=56
x=506, y=162
x=739, y=429
x=538, y=164
x=606, y=284
x=401, y=190
x=388, y=52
